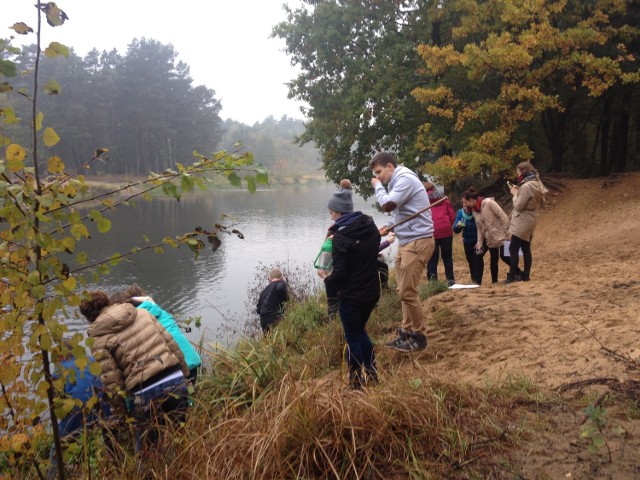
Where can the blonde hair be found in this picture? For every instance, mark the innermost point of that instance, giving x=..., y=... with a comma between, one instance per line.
x=275, y=274
x=345, y=183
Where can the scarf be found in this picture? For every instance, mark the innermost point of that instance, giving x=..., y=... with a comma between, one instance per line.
x=526, y=177
x=478, y=204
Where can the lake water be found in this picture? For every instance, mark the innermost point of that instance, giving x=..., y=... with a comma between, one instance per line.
x=284, y=226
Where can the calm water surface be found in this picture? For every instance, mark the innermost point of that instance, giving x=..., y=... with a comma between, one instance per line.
x=280, y=226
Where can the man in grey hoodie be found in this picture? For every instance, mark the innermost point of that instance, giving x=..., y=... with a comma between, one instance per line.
x=404, y=196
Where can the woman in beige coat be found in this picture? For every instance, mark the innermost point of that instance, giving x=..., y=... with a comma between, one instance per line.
x=141, y=365
x=492, y=224
x=527, y=198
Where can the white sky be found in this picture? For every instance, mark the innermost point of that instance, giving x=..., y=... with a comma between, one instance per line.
x=225, y=43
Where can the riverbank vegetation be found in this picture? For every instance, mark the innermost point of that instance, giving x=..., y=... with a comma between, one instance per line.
x=280, y=407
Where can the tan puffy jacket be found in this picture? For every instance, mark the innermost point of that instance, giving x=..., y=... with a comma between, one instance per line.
x=131, y=347
x=492, y=224
x=525, y=203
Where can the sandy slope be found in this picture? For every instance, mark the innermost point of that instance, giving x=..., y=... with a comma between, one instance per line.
x=577, y=320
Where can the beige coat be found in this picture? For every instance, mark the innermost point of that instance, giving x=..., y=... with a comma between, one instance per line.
x=131, y=347
x=525, y=203
x=492, y=224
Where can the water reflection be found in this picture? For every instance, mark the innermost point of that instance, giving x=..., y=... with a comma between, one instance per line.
x=284, y=225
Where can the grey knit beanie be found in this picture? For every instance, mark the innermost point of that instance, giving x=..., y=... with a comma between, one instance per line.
x=340, y=201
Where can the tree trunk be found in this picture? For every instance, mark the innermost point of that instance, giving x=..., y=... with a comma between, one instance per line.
x=605, y=127
x=620, y=147
x=554, y=124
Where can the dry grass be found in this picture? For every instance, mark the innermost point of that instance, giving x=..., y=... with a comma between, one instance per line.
x=279, y=408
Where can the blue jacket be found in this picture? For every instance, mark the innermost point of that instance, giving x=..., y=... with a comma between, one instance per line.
x=84, y=386
x=469, y=231
x=406, y=191
x=167, y=321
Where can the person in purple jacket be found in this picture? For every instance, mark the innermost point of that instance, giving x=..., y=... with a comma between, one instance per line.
x=443, y=217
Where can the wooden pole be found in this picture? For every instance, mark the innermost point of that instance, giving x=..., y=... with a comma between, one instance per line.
x=414, y=215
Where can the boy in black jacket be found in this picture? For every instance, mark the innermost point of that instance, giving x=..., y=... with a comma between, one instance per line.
x=272, y=300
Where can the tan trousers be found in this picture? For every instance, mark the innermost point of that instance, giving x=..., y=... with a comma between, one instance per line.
x=410, y=264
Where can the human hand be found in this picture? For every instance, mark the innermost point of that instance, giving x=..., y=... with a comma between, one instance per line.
x=391, y=237
x=383, y=231
x=323, y=273
x=375, y=182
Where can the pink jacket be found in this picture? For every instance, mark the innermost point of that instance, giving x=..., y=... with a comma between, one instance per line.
x=443, y=217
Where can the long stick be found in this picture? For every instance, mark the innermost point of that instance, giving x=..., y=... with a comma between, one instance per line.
x=414, y=215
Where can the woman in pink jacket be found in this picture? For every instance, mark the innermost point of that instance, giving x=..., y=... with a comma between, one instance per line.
x=443, y=217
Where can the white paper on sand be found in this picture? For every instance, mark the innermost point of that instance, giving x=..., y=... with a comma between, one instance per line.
x=458, y=286
x=507, y=244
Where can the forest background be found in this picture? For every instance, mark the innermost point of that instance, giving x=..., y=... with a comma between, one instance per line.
x=459, y=89
x=462, y=90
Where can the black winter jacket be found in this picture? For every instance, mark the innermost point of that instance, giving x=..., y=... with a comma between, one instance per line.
x=273, y=298
x=355, y=253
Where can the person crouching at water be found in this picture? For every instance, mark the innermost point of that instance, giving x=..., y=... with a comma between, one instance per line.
x=271, y=301
x=140, y=362
x=139, y=299
x=354, y=277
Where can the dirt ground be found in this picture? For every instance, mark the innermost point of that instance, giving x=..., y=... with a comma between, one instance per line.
x=573, y=330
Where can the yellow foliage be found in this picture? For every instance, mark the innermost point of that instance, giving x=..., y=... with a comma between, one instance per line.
x=50, y=137
x=55, y=165
x=15, y=155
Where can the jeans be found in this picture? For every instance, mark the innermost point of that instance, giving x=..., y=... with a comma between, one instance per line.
x=443, y=246
x=359, y=347
x=153, y=407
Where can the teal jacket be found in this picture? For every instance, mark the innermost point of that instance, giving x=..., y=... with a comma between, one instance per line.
x=167, y=321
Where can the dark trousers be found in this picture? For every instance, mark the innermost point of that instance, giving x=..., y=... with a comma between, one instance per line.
x=514, y=249
x=444, y=247
x=332, y=301
x=269, y=320
x=167, y=401
x=496, y=254
x=476, y=262
x=359, y=347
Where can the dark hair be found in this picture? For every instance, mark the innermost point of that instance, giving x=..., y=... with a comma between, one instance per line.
x=470, y=194
x=121, y=296
x=136, y=290
x=382, y=159
x=91, y=308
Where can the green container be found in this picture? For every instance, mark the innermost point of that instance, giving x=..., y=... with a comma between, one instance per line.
x=324, y=260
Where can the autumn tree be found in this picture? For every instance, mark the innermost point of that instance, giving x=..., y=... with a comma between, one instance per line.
x=358, y=66
x=46, y=212
x=517, y=71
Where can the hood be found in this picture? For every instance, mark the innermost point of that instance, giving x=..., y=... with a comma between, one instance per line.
x=401, y=171
x=354, y=225
x=434, y=195
x=113, y=319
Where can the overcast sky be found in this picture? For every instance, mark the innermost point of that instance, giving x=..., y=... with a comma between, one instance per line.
x=225, y=43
